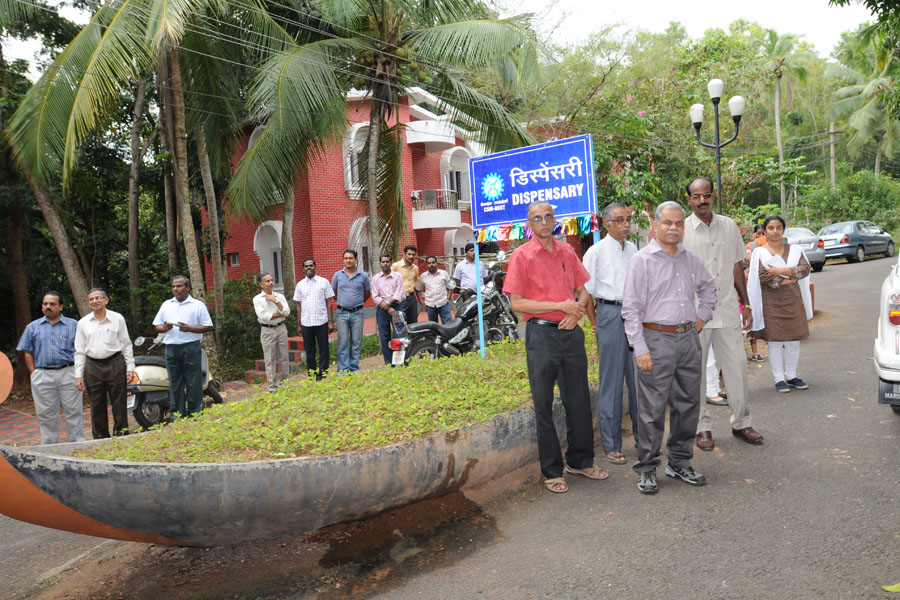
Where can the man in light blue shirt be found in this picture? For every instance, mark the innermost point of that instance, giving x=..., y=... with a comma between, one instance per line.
x=351, y=288
x=49, y=347
x=184, y=320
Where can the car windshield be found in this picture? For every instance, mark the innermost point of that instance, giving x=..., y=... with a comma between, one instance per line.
x=836, y=228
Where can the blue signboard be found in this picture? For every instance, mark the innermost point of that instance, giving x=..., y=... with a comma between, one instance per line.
x=503, y=185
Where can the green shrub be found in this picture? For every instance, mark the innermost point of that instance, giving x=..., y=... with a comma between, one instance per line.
x=342, y=414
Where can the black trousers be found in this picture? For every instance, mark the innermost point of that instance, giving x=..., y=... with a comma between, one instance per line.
x=314, y=337
x=558, y=356
x=410, y=307
x=102, y=379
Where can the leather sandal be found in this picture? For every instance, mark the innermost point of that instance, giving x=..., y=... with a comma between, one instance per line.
x=557, y=485
x=616, y=458
x=592, y=472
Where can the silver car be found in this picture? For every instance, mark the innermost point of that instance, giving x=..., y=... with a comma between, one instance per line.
x=813, y=247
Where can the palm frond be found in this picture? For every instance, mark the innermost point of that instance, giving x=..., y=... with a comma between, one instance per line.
x=298, y=96
x=343, y=13
x=69, y=100
x=165, y=21
x=492, y=124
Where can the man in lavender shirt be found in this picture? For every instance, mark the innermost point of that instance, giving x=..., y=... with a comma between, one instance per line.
x=387, y=294
x=663, y=325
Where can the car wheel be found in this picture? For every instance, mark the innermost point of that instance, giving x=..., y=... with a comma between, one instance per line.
x=858, y=256
x=818, y=266
x=890, y=250
x=895, y=408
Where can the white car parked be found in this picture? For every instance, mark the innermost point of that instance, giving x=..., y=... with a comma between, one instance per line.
x=887, y=342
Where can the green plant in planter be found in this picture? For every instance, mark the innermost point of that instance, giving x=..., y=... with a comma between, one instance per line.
x=343, y=414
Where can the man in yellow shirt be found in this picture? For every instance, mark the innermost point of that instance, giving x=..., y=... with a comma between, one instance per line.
x=408, y=269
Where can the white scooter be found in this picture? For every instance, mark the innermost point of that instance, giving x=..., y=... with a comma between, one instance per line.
x=148, y=393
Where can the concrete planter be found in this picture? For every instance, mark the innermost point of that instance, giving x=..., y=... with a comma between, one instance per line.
x=209, y=504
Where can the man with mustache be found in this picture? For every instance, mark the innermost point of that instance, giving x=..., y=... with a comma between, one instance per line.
x=716, y=240
x=49, y=347
x=662, y=322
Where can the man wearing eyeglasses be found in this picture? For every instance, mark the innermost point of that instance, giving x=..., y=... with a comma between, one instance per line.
x=545, y=282
x=662, y=321
x=605, y=262
x=717, y=241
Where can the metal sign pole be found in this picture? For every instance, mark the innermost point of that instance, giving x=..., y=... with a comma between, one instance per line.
x=478, y=295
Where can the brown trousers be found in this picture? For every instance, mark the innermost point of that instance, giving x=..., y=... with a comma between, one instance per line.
x=102, y=378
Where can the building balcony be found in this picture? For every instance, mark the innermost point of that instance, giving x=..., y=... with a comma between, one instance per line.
x=435, y=209
x=435, y=135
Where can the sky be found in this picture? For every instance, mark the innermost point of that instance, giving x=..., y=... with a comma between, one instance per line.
x=573, y=20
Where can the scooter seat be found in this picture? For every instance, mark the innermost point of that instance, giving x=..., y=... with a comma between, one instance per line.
x=155, y=361
x=446, y=331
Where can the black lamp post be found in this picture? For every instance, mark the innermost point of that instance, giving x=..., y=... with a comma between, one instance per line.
x=736, y=105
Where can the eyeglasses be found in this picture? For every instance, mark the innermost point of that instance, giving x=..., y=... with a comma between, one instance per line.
x=705, y=196
x=548, y=219
x=620, y=220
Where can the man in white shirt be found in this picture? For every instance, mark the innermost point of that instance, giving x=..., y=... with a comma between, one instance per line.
x=314, y=320
x=606, y=261
x=464, y=273
x=184, y=320
x=271, y=311
x=104, y=361
x=437, y=295
x=717, y=241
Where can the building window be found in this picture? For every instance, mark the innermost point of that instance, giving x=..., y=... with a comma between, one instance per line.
x=354, y=157
x=454, y=184
x=234, y=259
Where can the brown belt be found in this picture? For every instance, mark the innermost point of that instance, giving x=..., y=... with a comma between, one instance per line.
x=669, y=328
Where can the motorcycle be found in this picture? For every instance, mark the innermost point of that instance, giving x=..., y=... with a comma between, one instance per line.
x=148, y=393
x=459, y=336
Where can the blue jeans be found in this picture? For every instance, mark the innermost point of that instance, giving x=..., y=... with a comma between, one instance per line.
x=350, y=330
x=443, y=311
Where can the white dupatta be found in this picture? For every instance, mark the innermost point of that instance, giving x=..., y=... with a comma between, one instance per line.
x=754, y=287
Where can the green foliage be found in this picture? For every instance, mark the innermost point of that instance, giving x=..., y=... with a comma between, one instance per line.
x=344, y=414
x=859, y=196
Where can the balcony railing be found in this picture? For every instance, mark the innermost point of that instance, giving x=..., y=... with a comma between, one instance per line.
x=435, y=200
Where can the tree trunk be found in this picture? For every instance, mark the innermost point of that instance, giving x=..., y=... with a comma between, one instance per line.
x=372, y=185
x=878, y=161
x=18, y=280
x=168, y=195
x=778, y=136
x=179, y=162
x=67, y=256
x=215, y=249
x=134, y=258
x=287, y=245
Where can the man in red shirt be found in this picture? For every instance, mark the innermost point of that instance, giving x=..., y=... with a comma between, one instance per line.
x=543, y=280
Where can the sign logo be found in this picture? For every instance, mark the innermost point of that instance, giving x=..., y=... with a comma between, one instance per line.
x=504, y=185
x=492, y=186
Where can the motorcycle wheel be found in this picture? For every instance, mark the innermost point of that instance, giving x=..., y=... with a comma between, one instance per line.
x=148, y=415
x=212, y=390
x=493, y=336
x=422, y=349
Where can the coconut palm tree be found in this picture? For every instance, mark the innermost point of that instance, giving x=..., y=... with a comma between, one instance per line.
x=783, y=59
x=383, y=48
x=871, y=78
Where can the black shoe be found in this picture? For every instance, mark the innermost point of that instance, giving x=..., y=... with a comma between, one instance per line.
x=686, y=474
x=647, y=482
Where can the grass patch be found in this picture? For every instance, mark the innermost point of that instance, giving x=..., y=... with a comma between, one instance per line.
x=345, y=414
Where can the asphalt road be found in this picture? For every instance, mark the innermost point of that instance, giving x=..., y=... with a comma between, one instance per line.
x=812, y=513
